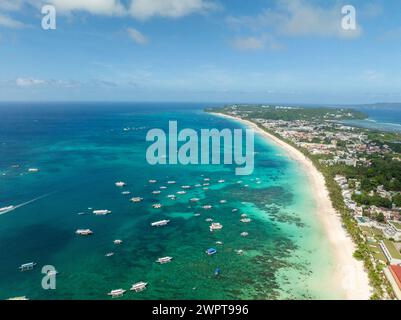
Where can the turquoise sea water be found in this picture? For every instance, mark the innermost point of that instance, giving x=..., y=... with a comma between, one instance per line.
x=81, y=150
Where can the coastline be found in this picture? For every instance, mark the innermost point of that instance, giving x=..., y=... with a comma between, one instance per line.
x=349, y=272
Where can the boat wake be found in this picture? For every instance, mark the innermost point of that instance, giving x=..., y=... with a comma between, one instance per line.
x=12, y=208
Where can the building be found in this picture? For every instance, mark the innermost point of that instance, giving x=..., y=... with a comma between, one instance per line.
x=391, y=253
x=396, y=272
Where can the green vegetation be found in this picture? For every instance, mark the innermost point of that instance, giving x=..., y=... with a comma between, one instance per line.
x=392, y=249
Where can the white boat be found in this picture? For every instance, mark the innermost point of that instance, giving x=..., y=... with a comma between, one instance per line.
x=139, y=286
x=239, y=252
x=181, y=192
x=109, y=254
x=209, y=220
x=136, y=199
x=244, y=234
x=164, y=260
x=160, y=223
x=120, y=184
x=197, y=214
x=84, y=232
x=117, y=241
x=223, y=201
x=33, y=170
x=156, y=192
x=221, y=181
x=156, y=206
x=9, y=208
x=125, y=192
x=194, y=199
x=186, y=187
x=27, y=266
x=219, y=243
x=117, y=293
x=101, y=212
x=245, y=220
x=215, y=226
x=171, y=182
x=244, y=215
x=234, y=210
x=198, y=185
x=206, y=184
x=206, y=179
x=163, y=187
x=152, y=181
x=208, y=206
x=18, y=298
x=171, y=196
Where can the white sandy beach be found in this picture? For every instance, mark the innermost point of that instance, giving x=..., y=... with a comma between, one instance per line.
x=349, y=272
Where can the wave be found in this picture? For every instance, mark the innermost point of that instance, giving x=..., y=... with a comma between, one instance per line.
x=26, y=203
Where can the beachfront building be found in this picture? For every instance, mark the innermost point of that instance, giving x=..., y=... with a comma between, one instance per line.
x=393, y=256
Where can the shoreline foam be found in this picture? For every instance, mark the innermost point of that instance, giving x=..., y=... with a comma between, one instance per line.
x=349, y=272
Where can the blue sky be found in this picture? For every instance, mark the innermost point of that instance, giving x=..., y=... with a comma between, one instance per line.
x=201, y=50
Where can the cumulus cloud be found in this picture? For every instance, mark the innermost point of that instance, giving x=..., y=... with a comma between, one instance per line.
x=137, y=36
x=28, y=82
x=145, y=9
x=100, y=7
x=299, y=18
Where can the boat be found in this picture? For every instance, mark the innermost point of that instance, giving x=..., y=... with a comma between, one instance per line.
x=211, y=251
x=80, y=213
x=152, y=181
x=181, y=192
x=171, y=182
x=207, y=207
x=215, y=226
x=163, y=187
x=206, y=184
x=2, y=210
x=194, y=199
x=206, y=179
x=27, y=266
x=156, y=206
x=217, y=271
x=171, y=196
x=234, y=210
x=198, y=185
x=223, y=201
x=244, y=215
x=239, y=252
x=164, y=260
x=244, y=234
x=160, y=223
x=18, y=298
x=117, y=293
x=117, y=241
x=205, y=188
x=197, y=214
x=136, y=199
x=209, y=220
x=101, y=212
x=221, y=181
x=219, y=243
x=186, y=187
x=245, y=220
x=156, y=192
x=84, y=232
x=120, y=184
x=139, y=286
x=33, y=170
x=109, y=254
x=125, y=192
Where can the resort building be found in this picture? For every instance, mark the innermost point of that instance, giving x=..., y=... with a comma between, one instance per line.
x=392, y=255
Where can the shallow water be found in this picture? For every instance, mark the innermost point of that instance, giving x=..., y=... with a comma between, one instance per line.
x=81, y=150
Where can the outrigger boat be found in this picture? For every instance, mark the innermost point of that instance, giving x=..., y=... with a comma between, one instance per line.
x=211, y=251
x=84, y=232
x=117, y=241
x=171, y=182
x=160, y=223
x=244, y=234
x=156, y=192
x=139, y=286
x=206, y=207
x=27, y=266
x=164, y=260
x=120, y=184
x=245, y=220
x=156, y=206
x=136, y=199
x=117, y=293
x=101, y=212
x=215, y=226
x=6, y=209
x=152, y=181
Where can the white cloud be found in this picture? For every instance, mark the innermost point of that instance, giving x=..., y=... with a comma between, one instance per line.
x=10, y=5
x=101, y=7
x=299, y=18
x=255, y=43
x=137, y=36
x=145, y=9
x=8, y=22
x=28, y=82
